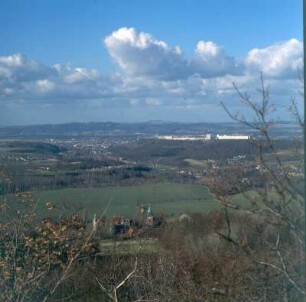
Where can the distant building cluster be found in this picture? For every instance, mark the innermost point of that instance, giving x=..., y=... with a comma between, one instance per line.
x=124, y=227
x=205, y=137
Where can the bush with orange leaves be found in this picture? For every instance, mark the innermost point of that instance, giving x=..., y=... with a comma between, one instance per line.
x=35, y=255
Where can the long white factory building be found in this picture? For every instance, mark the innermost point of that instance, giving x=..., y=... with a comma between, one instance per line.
x=232, y=137
x=205, y=137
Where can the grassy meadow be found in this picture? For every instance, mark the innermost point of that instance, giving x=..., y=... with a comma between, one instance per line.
x=167, y=198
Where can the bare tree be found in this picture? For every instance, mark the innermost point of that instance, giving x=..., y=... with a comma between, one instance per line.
x=277, y=208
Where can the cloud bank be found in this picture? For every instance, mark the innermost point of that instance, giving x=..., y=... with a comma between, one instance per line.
x=150, y=74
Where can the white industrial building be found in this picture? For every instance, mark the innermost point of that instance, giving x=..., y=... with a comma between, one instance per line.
x=205, y=137
x=232, y=137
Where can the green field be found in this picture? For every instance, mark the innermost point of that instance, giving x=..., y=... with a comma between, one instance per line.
x=201, y=164
x=128, y=247
x=167, y=198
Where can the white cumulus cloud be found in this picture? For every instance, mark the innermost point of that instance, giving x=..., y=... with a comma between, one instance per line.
x=140, y=54
x=45, y=85
x=27, y=79
x=76, y=75
x=278, y=60
x=212, y=61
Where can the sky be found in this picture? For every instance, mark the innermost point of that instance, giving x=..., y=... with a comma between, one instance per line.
x=131, y=61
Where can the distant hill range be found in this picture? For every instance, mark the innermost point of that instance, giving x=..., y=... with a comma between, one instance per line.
x=150, y=128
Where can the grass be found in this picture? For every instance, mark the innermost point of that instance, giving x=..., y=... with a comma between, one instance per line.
x=128, y=247
x=197, y=163
x=245, y=200
x=166, y=198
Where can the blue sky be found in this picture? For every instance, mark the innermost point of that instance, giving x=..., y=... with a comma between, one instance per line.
x=98, y=60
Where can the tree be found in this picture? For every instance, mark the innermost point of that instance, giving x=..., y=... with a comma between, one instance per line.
x=37, y=255
x=273, y=238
